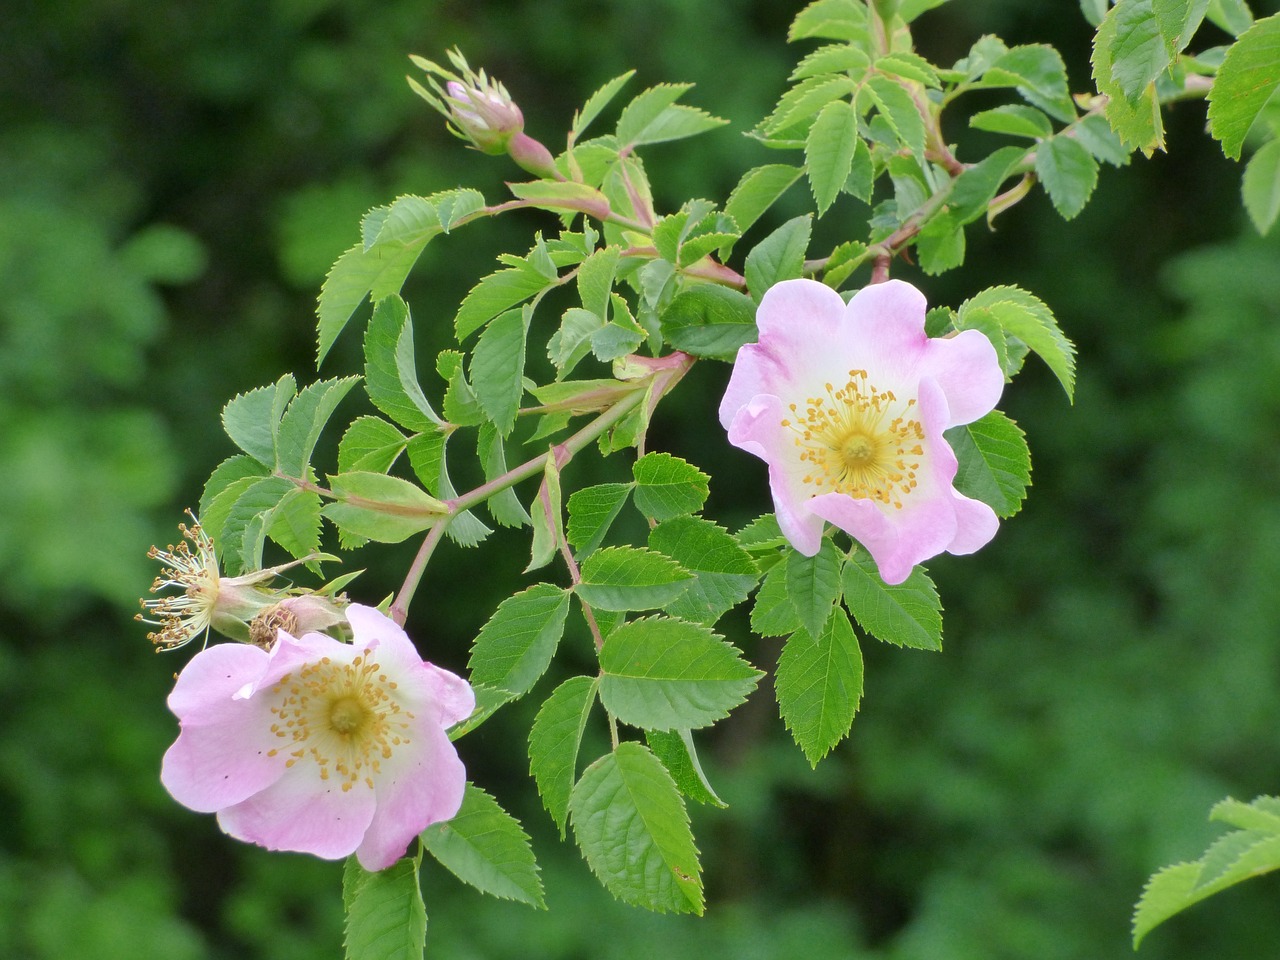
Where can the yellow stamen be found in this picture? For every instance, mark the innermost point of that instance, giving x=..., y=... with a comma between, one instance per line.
x=852, y=445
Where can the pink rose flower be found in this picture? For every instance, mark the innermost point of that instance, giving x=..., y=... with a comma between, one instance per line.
x=320, y=746
x=847, y=405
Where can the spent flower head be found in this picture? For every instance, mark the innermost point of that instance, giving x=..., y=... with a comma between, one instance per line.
x=200, y=599
x=320, y=746
x=847, y=404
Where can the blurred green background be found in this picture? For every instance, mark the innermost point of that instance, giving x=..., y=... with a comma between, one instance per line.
x=174, y=181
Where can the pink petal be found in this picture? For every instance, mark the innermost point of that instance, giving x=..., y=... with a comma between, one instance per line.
x=213, y=766
x=798, y=321
x=758, y=429
x=976, y=525
x=968, y=371
x=455, y=700
x=886, y=322
x=206, y=685
x=303, y=813
x=417, y=787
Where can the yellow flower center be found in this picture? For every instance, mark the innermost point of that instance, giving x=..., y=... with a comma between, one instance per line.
x=343, y=717
x=859, y=441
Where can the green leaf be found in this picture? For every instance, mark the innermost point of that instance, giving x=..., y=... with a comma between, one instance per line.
x=910, y=9
x=908, y=614
x=1233, y=16
x=295, y=523
x=548, y=521
x=832, y=58
x=252, y=419
x=370, y=444
x=304, y=421
x=1138, y=124
x=779, y=256
x=1237, y=856
x=676, y=751
x=497, y=368
x=245, y=529
x=1138, y=52
x=861, y=180
x=1096, y=135
x=909, y=66
x=229, y=472
x=813, y=584
x=900, y=111
x=772, y=614
x=412, y=221
x=595, y=280
x=941, y=244
x=1038, y=73
x=1014, y=119
x=678, y=122
x=554, y=741
x=559, y=196
x=805, y=99
x=829, y=150
x=758, y=190
x=631, y=578
x=382, y=508
x=723, y=572
x=504, y=506
x=645, y=119
x=495, y=294
x=386, y=918
x=831, y=20
x=819, y=684
x=572, y=342
x=597, y=102
x=708, y=320
x=390, y=371
x=995, y=464
x=1179, y=20
x=973, y=190
x=591, y=512
x=662, y=674
x=488, y=701
x=358, y=274
x=633, y=830
x=485, y=846
x=1068, y=173
x=1261, y=186
x=667, y=486
x=1029, y=319
x=1245, y=83
x=515, y=647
